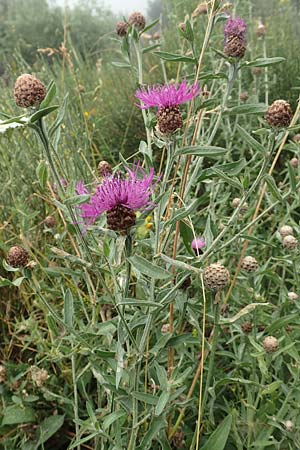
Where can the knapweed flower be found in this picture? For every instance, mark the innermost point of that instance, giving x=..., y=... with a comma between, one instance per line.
x=198, y=244
x=119, y=197
x=167, y=99
x=29, y=91
x=235, y=37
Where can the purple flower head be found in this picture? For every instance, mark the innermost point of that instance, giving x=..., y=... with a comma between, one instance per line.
x=235, y=27
x=133, y=192
x=198, y=244
x=162, y=96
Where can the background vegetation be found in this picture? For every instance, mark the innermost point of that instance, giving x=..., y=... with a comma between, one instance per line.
x=79, y=49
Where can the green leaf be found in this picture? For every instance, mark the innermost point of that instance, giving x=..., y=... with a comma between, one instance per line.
x=150, y=48
x=161, y=404
x=49, y=427
x=68, y=308
x=111, y=418
x=272, y=187
x=135, y=302
x=51, y=91
x=60, y=116
x=18, y=414
x=42, y=174
x=174, y=57
x=218, y=439
x=121, y=65
x=292, y=177
x=234, y=182
x=147, y=268
x=202, y=150
x=148, y=27
x=146, y=398
x=184, y=212
x=269, y=389
x=258, y=108
x=264, y=62
x=156, y=425
x=253, y=143
x=77, y=199
x=42, y=113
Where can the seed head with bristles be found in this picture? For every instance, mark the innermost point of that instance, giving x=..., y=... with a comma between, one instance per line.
x=296, y=138
x=137, y=20
x=289, y=242
x=270, y=344
x=104, y=169
x=294, y=162
x=216, y=277
x=289, y=425
x=293, y=296
x=244, y=96
x=249, y=264
x=246, y=327
x=2, y=374
x=261, y=30
x=50, y=221
x=286, y=230
x=279, y=114
x=17, y=257
x=121, y=28
x=29, y=91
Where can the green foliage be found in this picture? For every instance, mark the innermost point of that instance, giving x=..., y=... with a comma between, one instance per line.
x=87, y=350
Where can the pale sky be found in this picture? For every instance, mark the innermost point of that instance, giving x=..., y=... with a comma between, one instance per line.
x=117, y=6
x=127, y=6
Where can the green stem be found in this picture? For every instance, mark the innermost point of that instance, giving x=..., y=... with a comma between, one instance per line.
x=76, y=414
x=212, y=354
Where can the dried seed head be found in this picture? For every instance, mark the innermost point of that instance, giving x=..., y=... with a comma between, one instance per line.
x=246, y=327
x=104, y=169
x=120, y=219
x=216, y=277
x=169, y=119
x=286, y=230
x=249, y=264
x=296, y=138
x=279, y=114
x=289, y=242
x=17, y=257
x=29, y=91
x=165, y=328
x=137, y=20
x=244, y=96
x=270, y=344
x=289, y=425
x=121, y=28
x=50, y=221
x=39, y=376
x=178, y=440
x=182, y=27
x=256, y=71
x=235, y=47
x=293, y=296
x=2, y=374
x=261, y=328
x=186, y=284
x=294, y=162
x=200, y=9
x=236, y=202
x=261, y=30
